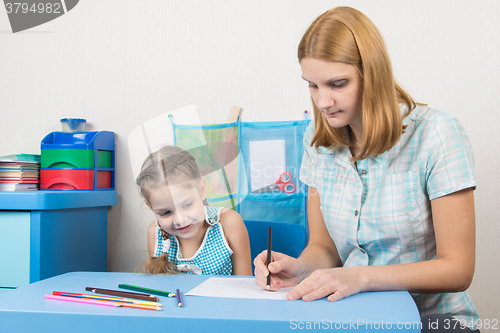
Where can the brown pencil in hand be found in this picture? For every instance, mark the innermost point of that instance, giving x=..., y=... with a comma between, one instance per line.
x=269, y=243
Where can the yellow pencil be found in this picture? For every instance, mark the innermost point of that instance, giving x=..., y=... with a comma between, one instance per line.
x=108, y=298
x=120, y=299
x=137, y=306
x=116, y=302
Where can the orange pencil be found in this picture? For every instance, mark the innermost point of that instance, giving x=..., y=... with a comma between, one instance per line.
x=116, y=302
x=108, y=298
x=137, y=306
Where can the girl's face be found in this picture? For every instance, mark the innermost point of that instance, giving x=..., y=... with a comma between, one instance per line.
x=179, y=209
x=336, y=89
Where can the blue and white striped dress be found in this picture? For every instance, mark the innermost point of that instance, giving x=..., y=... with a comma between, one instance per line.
x=212, y=258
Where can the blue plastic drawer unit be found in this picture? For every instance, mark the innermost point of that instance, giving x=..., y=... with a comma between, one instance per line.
x=47, y=233
x=78, y=161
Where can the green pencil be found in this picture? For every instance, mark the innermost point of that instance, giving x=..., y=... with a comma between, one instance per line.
x=146, y=290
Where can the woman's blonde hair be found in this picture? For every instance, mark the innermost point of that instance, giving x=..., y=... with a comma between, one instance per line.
x=346, y=35
x=169, y=165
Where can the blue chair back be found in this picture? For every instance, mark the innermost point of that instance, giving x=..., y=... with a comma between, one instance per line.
x=287, y=238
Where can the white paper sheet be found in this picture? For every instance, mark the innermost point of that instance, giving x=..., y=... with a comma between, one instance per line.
x=267, y=162
x=235, y=288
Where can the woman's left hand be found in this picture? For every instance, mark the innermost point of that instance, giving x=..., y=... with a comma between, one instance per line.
x=334, y=283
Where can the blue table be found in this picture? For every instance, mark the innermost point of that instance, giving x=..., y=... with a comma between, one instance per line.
x=26, y=310
x=47, y=233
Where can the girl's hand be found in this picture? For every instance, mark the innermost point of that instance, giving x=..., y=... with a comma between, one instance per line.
x=285, y=271
x=334, y=283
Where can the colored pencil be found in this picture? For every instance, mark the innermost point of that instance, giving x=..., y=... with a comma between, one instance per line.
x=269, y=243
x=107, y=298
x=137, y=306
x=119, y=293
x=148, y=290
x=179, y=302
x=72, y=298
x=80, y=300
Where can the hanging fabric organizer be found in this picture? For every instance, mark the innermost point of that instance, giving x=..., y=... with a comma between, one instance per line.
x=246, y=157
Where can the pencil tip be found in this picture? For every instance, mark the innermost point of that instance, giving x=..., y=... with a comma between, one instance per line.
x=180, y=304
x=268, y=287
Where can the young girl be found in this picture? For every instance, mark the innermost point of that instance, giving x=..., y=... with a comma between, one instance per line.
x=188, y=236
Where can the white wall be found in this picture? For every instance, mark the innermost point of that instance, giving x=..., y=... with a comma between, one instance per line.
x=120, y=63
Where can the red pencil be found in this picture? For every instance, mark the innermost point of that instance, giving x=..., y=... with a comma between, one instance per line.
x=80, y=299
x=107, y=298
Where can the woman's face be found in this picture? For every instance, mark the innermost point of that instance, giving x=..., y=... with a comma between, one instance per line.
x=336, y=89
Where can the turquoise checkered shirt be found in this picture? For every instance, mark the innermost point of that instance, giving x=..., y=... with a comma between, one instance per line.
x=212, y=258
x=380, y=213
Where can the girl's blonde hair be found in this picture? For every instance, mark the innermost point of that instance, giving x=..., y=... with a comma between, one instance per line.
x=170, y=165
x=344, y=34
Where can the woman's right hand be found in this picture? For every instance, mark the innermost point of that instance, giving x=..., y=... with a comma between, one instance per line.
x=285, y=271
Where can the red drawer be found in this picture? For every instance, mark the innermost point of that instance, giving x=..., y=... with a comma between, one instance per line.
x=60, y=179
x=73, y=179
x=104, y=179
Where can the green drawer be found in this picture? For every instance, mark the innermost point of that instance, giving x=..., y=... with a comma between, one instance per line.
x=67, y=158
x=74, y=158
x=104, y=158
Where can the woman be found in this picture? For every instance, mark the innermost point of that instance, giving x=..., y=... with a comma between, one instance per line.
x=391, y=182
